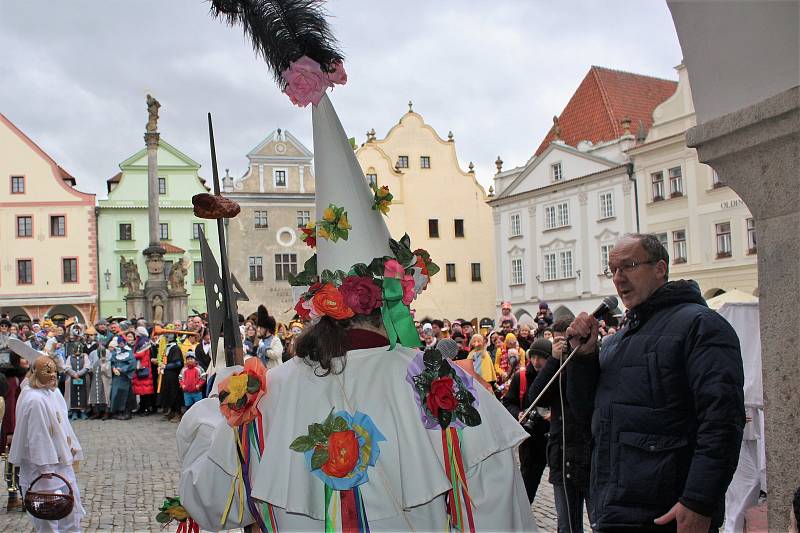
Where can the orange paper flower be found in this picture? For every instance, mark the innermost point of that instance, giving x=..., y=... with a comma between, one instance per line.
x=240, y=393
x=342, y=453
x=329, y=301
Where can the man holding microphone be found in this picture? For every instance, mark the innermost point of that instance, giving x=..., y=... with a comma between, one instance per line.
x=668, y=405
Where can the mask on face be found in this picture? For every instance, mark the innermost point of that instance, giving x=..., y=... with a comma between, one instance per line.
x=44, y=374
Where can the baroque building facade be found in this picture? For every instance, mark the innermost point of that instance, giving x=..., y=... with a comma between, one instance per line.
x=707, y=229
x=48, y=232
x=123, y=225
x=443, y=209
x=276, y=195
x=557, y=217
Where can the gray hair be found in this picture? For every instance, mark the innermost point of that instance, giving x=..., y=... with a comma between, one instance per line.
x=653, y=248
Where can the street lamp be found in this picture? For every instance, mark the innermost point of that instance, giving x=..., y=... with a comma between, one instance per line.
x=107, y=277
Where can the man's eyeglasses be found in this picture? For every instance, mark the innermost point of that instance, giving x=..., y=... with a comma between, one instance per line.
x=627, y=268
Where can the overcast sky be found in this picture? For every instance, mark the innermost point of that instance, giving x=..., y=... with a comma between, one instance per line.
x=75, y=74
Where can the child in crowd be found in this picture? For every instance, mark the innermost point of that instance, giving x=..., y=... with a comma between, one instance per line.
x=192, y=380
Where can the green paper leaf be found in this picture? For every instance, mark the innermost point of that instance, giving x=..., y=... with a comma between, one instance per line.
x=340, y=424
x=360, y=269
x=433, y=269
x=471, y=416
x=444, y=418
x=445, y=370
x=253, y=384
x=302, y=444
x=405, y=240
x=376, y=266
x=327, y=424
x=163, y=517
x=319, y=458
x=223, y=395
x=318, y=433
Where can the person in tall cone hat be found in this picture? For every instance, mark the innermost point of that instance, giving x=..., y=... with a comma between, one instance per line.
x=45, y=446
x=361, y=430
x=270, y=347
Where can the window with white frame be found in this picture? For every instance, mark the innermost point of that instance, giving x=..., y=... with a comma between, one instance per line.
x=285, y=264
x=163, y=231
x=715, y=181
x=606, y=204
x=563, y=213
x=550, y=217
x=517, y=269
x=723, y=239
x=372, y=179
x=751, y=236
x=550, y=269
x=555, y=171
x=662, y=238
x=303, y=218
x=261, y=220
x=679, y=246
x=565, y=261
x=675, y=182
x=605, y=251
x=162, y=186
x=657, y=179
x=196, y=227
x=516, y=225
x=256, y=265
x=279, y=176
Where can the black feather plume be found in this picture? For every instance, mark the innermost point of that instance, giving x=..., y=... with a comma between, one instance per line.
x=283, y=31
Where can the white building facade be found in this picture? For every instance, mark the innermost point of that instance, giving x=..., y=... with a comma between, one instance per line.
x=556, y=219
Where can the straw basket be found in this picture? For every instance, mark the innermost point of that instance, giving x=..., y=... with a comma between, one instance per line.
x=48, y=505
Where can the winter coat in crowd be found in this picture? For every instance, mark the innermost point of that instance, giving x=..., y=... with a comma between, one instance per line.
x=668, y=411
x=143, y=384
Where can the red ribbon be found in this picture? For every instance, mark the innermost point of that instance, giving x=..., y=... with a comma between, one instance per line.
x=349, y=512
x=188, y=526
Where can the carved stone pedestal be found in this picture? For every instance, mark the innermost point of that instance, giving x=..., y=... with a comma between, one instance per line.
x=178, y=307
x=136, y=306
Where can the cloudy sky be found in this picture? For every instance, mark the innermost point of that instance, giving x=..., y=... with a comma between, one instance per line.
x=75, y=74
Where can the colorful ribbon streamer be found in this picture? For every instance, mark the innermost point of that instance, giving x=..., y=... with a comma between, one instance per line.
x=345, y=511
x=188, y=526
x=396, y=317
x=458, y=497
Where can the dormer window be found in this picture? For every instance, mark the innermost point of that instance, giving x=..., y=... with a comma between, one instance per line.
x=279, y=177
x=555, y=171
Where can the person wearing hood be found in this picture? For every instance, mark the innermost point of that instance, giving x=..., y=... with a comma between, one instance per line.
x=45, y=446
x=270, y=348
x=354, y=424
x=123, y=365
x=143, y=377
x=100, y=388
x=668, y=410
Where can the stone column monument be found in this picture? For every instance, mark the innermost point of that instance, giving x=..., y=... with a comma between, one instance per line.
x=155, y=288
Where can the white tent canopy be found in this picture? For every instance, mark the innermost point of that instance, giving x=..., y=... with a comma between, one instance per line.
x=732, y=296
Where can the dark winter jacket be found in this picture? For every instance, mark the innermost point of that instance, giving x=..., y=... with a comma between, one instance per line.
x=570, y=423
x=668, y=413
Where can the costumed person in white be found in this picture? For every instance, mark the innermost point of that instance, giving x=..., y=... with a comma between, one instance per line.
x=44, y=442
x=359, y=431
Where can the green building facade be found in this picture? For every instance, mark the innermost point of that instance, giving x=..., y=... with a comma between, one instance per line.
x=122, y=228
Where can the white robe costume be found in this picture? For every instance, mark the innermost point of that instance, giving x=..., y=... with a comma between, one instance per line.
x=407, y=488
x=44, y=442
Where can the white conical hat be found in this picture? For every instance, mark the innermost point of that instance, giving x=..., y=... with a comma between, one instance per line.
x=25, y=350
x=340, y=181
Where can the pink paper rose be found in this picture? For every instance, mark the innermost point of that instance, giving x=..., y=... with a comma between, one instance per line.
x=305, y=82
x=337, y=75
x=407, y=282
x=360, y=294
x=393, y=269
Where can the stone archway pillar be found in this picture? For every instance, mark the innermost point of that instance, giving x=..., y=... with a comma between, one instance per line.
x=756, y=151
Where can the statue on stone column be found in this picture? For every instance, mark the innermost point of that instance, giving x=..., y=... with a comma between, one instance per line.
x=177, y=275
x=152, y=114
x=131, y=278
x=158, y=309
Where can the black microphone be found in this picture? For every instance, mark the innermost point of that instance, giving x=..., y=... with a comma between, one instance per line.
x=608, y=303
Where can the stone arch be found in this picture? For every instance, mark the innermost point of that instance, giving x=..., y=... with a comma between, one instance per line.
x=17, y=314
x=710, y=293
x=61, y=312
x=524, y=317
x=562, y=311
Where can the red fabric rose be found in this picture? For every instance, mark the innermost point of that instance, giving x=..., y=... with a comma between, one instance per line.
x=360, y=294
x=441, y=396
x=408, y=289
x=342, y=453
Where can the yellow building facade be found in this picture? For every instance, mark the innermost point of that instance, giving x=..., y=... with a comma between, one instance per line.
x=48, y=235
x=706, y=227
x=443, y=209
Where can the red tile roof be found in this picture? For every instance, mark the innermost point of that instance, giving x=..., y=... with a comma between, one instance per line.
x=171, y=248
x=602, y=100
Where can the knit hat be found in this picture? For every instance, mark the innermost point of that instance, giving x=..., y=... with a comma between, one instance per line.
x=511, y=337
x=541, y=347
x=448, y=348
x=142, y=332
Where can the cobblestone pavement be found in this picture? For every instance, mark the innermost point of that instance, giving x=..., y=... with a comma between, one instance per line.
x=131, y=466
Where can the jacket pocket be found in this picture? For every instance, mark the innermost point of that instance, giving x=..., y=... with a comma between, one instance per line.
x=647, y=468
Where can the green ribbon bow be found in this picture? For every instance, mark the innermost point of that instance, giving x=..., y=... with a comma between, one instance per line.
x=396, y=317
